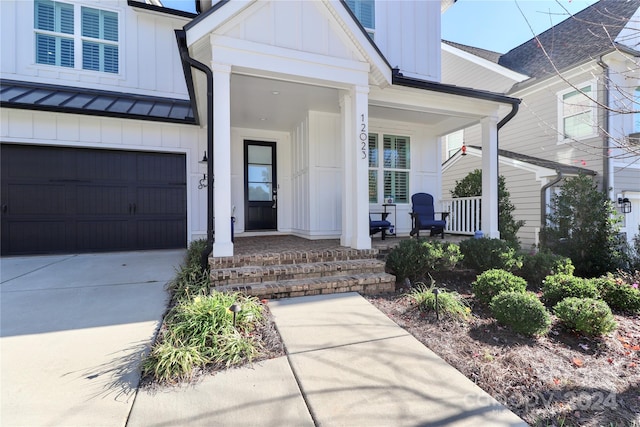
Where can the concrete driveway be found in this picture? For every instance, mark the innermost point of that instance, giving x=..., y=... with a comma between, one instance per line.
x=72, y=333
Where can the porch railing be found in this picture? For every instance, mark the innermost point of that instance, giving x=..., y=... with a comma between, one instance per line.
x=464, y=214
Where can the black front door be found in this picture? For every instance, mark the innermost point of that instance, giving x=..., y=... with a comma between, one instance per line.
x=260, y=192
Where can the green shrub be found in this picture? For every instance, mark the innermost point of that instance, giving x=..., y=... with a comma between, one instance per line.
x=194, y=252
x=415, y=258
x=450, y=304
x=486, y=254
x=522, y=311
x=618, y=294
x=587, y=315
x=490, y=283
x=190, y=280
x=170, y=361
x=560, y=286
x=542, y=264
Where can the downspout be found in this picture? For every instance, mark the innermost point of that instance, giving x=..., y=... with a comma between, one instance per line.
x=606, y=163
x=515, y=106
x=184, y=55
x=543, y=197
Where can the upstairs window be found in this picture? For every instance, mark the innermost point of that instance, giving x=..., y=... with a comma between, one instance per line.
x=364, y=10
x=93, y=46
x=577, y=113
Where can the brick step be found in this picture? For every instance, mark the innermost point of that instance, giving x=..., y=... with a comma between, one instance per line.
x=364, y=283
x=272, y=273
x=292, y=257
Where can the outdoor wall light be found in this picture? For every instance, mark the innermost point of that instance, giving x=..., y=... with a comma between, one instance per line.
x=235, y=309
x=624, y=204
x=202, y=183
x=205, y=159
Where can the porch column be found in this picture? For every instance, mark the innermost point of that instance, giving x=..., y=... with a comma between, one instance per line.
x=359, y=143
x=346, y=106
x=490, y=177
x=222, y=245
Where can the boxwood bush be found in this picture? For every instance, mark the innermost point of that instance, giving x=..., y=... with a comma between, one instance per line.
x=618, y=294
x=521, y=311
x=535, y=267
x=490, y=283
x=415, y=258
x=560, y=286
x=486, y=254
x=587, y=315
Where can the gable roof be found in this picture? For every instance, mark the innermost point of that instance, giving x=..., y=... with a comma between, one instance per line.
x=489, y=55
x=594, y=29
x=66, y=99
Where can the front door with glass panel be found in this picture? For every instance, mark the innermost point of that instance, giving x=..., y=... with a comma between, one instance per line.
x=261, y=189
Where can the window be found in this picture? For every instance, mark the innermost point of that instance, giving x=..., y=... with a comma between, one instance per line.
x=93, y=46
x=364, y=10
x=453, y=142
x=636, y=108
x=394, y=168
x=577, y=111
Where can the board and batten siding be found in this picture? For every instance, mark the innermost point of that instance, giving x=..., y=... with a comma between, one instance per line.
x=149, y=62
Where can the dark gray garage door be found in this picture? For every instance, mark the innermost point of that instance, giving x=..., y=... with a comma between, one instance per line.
x=64, y=200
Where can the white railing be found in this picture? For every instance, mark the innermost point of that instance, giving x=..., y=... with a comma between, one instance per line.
x=464, y=214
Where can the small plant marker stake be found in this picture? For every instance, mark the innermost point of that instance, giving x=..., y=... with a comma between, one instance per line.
x=235, y=308
x=436, y=291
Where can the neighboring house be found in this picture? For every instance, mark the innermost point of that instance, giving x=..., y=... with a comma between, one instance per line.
x=310, y=115
x=562, y=127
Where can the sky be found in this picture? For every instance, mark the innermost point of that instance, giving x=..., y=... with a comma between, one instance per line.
x=497, y=25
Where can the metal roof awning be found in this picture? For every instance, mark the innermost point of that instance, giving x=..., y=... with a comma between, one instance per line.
x=74, y=100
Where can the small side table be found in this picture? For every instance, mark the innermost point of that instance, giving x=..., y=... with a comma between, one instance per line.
x=395, y=215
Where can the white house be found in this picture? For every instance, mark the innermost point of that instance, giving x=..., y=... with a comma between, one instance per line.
x=579, y=85
x=308, y=120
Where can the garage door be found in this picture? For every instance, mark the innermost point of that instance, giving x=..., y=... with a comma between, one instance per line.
x=65, y=200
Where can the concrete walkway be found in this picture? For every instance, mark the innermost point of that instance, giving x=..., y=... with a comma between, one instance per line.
x=72, y=333
x=347, y=365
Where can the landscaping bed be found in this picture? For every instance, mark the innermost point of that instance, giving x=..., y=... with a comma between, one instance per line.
x=559, y=379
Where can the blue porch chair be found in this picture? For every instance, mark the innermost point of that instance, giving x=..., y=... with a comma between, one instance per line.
x=381, y=225
x=423, y=216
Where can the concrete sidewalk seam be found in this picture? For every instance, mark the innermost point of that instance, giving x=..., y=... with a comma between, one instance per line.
x=332, y=347
x=297, y=379
x=38, y=269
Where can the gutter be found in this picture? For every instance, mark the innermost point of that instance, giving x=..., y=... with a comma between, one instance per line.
x=181, y=38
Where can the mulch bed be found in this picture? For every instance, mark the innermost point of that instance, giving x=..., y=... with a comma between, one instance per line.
x=560, y=379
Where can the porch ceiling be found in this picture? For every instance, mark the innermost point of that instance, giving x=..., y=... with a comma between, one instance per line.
x=278, y=105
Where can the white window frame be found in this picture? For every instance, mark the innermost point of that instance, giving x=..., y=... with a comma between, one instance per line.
x=78, y=39
x=380, y=168
x=453, y=142
x=591, y=108
x=358, y=13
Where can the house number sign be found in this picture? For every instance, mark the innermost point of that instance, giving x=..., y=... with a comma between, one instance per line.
x=363, y=137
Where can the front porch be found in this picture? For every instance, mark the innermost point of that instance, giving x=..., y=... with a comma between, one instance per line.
x=288, y=266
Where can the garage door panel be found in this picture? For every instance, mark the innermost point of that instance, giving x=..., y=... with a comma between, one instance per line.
x=102, y=200
x=156, y=233
x=58, y=199
x=37, y=199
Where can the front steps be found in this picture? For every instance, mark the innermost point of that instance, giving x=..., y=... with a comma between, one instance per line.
x=302, y=272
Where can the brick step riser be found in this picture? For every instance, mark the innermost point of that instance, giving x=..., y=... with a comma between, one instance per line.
x=255, y=278
x=289, y=258
x=369, y=286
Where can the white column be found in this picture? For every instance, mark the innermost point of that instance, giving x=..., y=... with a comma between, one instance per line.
x=222, y=245
x=490, y=177
x=346, y=108
x=360, y=163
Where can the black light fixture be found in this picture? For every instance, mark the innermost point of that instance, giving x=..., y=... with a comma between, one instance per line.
x=205, y=159
x=202, y=183
x=235, y=308
x=624, y=204
x=436, y=291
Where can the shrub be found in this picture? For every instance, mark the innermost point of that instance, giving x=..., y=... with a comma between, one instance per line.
x=190, y=280
x=170, y=361
x=587, y=315
x=584, y=226
x=415, y=258
x=522, y=311
x=486, y=254
x=542, y=264
x=560, y=286
x=618, y=294
x=492, y=282
x=450, y=304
